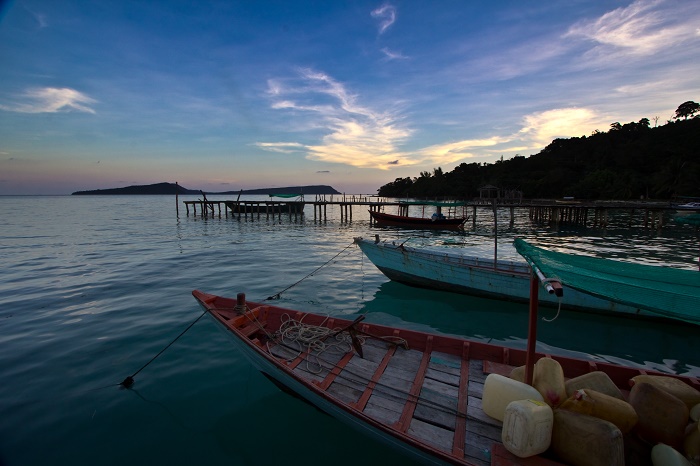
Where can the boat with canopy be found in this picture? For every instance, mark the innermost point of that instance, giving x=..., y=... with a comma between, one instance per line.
x=447, y=219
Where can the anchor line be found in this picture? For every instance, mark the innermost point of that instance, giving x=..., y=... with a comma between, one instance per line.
x=278, y=295
x=129, y=381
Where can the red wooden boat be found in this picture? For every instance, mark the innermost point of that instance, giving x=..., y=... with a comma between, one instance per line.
x=437, y=223
x=419, y=392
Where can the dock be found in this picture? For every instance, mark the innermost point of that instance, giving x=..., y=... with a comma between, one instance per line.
x=542, y=211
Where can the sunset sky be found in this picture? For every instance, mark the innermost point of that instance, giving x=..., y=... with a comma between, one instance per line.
x=228, y=95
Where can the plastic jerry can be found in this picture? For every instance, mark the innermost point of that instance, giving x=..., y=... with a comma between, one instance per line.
x=527, y=427
x=662, y=416
x=602, y=406
x=695, y=413
x=681, y=390
x=596, y=380
x=582, y=440
x=548, y=379
x=691, y=442
x=499, y=391
x=663, y=455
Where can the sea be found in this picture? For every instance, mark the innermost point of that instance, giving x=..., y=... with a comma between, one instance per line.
x=97, y=288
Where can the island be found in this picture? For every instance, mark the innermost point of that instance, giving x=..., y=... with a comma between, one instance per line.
x=174, y=188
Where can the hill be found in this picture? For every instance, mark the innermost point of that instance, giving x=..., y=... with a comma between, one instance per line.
x=172, y=188
x=628, y=162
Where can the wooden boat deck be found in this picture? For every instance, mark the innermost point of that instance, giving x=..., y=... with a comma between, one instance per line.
x=419, y=392
x=431, y=396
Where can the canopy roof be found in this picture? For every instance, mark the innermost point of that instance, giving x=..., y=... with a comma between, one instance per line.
x=666, y=291
x=286, y=195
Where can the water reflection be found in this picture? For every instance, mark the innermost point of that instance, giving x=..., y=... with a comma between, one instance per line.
x=649, y=343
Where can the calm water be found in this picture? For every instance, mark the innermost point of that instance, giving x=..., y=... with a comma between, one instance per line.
x=93, y=287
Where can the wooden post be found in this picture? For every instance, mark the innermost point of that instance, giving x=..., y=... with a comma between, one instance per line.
x=177, y=202
x=495, y=235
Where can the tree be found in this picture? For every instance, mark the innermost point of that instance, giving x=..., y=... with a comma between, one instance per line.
x=687, y=109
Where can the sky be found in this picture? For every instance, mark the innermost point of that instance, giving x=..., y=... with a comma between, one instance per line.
x=229, y=95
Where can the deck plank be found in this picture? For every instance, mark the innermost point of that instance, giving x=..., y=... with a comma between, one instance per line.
x=343, y=392
x=439, y=417
x=434, y=436
x=442, y=376
x=385, y=411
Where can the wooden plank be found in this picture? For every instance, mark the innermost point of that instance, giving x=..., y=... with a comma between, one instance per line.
x=434, y=436
x=393, y=386
x=343, y=392
x=460, y=435
x=376, y=376
x=476, y=427
x=379, y=399
x=443, y=418
x=386, y=411
x=475, y=411
x=333, y=373
x=447, y=360
x=419, y=378
x=447, y=392
x=441, y=376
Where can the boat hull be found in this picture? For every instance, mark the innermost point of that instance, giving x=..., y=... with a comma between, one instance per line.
x=417, y=392
x=446, y=271
x=382, y=219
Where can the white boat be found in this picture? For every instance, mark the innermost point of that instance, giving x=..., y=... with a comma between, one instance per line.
x=443, y=269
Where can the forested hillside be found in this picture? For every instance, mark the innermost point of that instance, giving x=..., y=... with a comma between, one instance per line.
x=629, y=161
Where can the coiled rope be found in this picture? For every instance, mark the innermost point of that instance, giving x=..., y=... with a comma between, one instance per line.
x=307, y=341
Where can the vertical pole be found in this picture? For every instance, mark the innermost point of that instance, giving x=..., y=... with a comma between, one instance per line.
x=532, y=329
x=177, y=202
x=495, y=235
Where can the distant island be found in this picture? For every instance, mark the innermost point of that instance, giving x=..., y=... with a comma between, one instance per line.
x=173, y=188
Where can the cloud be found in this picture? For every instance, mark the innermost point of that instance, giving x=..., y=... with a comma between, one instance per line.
x=358, y=135
x=323, y=171
x=643, y=28
x=455, y=151
x=541, y=128
x=386, y=15
x=355, y=134
x=390, y=55
x=51, y=100
x=282, y=147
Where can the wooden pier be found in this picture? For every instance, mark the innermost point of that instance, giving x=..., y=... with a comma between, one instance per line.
x=550, y=212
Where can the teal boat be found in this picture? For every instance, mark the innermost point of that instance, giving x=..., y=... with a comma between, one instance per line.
x=443, y=269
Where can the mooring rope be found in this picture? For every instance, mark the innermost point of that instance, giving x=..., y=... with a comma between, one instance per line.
x=129, y=381
x=277, y=295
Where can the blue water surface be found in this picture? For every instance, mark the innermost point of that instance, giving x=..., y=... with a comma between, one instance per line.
x=93, y=287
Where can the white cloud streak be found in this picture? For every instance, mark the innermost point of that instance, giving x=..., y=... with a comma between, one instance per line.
x=51, y=100
x=386, y=15
x=643, y=28
x=391, y=55
x=359, y=136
